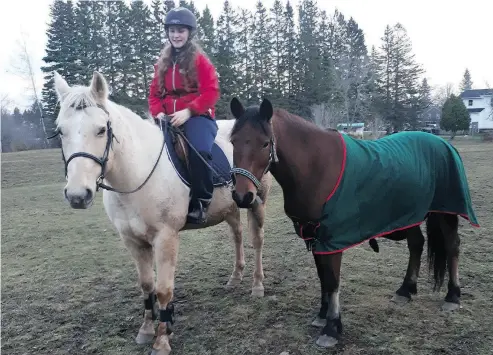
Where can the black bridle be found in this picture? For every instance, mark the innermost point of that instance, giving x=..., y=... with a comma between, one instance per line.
x=272, y=159
x=103, y=160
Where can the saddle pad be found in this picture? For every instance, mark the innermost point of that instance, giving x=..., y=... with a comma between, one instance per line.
x=392, y=184
x=219, y=163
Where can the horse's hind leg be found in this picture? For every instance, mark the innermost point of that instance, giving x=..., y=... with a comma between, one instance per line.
x=143, y=257
x=415, y=243
x=449, y=224
x=233, y=219
x=256, y=218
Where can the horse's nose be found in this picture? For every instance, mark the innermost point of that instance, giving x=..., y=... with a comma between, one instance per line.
x=243, y=201
x=79, y=200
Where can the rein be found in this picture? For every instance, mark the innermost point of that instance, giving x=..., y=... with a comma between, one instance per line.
x=104, y=159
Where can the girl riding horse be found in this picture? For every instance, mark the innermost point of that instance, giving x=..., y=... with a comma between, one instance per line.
x=186, y=88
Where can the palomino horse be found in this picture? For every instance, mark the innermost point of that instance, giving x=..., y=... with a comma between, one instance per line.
x=340, y=191
x=148, y=201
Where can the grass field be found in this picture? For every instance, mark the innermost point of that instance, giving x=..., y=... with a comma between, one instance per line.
x=69, y=286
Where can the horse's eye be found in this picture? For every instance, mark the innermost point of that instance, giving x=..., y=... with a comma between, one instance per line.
x=266, y=144
x=60, y=133
x=102, y=131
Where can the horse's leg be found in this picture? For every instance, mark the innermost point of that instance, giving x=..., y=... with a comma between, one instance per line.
x=141, y=252
x=166, y=254
x=415, y=243
x=321, y=318
x=331, y=272
x=234, y=221
x=449, y=225
x=256, y=218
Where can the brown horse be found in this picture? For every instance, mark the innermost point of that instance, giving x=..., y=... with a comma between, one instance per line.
x=325, y=176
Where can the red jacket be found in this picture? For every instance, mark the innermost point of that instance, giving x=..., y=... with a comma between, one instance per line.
x=199, y=100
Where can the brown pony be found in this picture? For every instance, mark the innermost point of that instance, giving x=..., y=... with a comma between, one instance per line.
x=310, y=164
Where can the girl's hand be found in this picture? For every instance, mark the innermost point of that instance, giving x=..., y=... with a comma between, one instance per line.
x=160, y=115
x=180, y=117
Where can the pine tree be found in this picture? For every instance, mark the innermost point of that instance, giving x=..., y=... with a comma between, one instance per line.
x=278, y=46
x=225, y=56
x=262, y=52
x=145, y=53
x=158, y=23
x=291, y=59
x=244, y=56
x=309, y=62
x=455, y=116
x=60, y=56
x=206, y=22
x=400, y=74
x=466, y=83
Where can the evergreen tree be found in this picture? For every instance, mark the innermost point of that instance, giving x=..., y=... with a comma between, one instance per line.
x=206, y=22
x=466, y=83
x=262, y=52
x=400, y=74
x=455, y=116
x=60, y=56
x=309, y=60
x=244, y=56
x=290, y=54
x=145, y=53
x=158, y=23
x=225, y=56
x=278, y=46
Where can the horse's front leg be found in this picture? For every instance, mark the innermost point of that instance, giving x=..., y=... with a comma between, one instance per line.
x=166, y=253
x=330, y=334
x=256, y=218
x=141, y=252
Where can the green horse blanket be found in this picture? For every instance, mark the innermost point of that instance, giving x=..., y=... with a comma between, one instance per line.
x=391, y=184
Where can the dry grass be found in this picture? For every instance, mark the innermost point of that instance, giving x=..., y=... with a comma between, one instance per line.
x=69, y=286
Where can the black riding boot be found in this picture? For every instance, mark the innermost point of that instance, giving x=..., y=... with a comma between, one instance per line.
x=202, y=188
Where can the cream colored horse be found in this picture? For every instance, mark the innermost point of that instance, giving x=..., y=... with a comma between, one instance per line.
x=93, y=128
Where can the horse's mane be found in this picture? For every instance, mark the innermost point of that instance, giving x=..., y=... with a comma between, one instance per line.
x=252, y=116
x=81, y=96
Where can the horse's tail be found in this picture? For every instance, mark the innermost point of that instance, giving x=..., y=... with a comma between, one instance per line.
x=437, y=254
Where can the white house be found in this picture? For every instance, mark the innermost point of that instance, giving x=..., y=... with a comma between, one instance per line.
x=480, y=106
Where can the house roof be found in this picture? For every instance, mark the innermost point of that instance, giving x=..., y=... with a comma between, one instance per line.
x=475, y=93
x=477, y=109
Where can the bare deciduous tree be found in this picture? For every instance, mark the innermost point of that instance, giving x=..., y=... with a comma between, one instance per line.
x=21, y=66
x=442, y=93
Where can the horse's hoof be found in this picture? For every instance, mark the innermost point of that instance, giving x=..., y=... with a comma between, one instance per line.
x=319, y=322
x=143, y=338
x=398, y=299
x=233, y=282
x=160, y=352
x=325, y=341
x=450, y=307
x=258, y=291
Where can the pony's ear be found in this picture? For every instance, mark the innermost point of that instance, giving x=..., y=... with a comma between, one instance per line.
x=99, y=86
x=266, y=110
x=236, y=107
x=61, y=86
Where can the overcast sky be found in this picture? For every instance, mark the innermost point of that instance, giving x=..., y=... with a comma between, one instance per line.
x=447, y=36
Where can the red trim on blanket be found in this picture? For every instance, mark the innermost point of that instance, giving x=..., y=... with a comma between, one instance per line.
x=392, y=231
x=344, y=155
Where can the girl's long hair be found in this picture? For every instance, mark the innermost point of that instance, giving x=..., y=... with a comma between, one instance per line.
x=186, y=58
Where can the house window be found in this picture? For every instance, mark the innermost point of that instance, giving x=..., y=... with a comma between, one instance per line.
x=470, y=102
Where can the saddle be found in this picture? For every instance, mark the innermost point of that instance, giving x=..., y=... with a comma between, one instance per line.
x=178, y=150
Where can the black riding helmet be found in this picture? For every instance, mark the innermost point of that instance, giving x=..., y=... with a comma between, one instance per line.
x=181, y=16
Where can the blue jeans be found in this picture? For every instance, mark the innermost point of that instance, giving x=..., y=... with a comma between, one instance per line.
x=201, y=132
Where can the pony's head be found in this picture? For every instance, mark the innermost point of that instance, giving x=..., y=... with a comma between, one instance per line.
x=253, y=149
x=84, y=127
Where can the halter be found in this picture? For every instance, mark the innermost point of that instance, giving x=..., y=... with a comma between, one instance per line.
x=272, y=159
x=102, y=161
